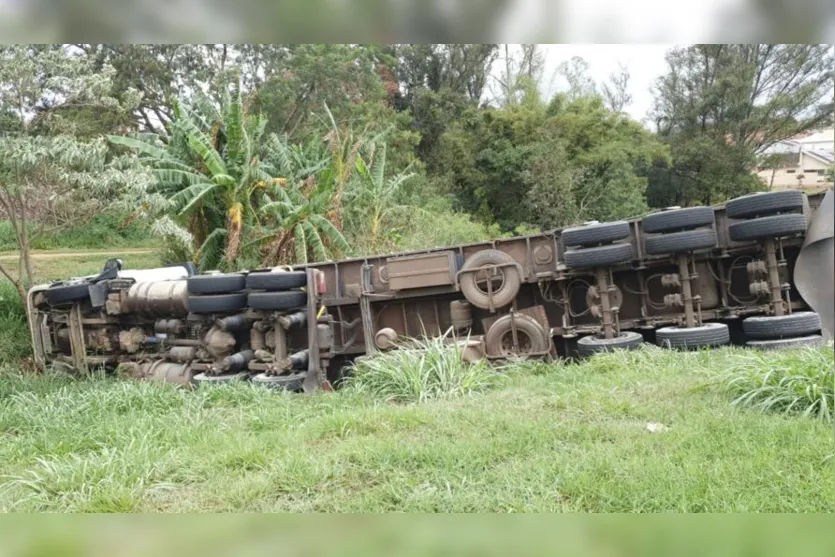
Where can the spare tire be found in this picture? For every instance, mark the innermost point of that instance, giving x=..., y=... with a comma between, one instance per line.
x=798, y=323
x=679, y=242
x=279, y=280
x=593, y=234
x=786, y=343
x=764, y=204
x=601, y=256
x=217, y=303
x=62, y=293
x=775, y=226
x=278, y=301
x=473, y=291
x=532, y=337
x=678, y=219
x=627, y=340
x=709, y=334
x=216, y=284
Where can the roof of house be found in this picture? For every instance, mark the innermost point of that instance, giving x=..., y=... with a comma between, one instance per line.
x=820, y=136
x=824, y=155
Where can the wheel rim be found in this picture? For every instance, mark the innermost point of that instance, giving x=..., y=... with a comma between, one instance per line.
x=525, y=344
x=494, y=275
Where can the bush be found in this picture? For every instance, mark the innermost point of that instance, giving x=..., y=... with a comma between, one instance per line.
x=421, y=371
x=104, y=230
x=14, y=332
x=792, y=381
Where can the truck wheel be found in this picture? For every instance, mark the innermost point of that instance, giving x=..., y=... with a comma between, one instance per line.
x=532, y=337
x=204, y=379
x=59, y=293
x=782, y=326
x=216, y=284
x=627, y=340
x=277, y=281
x=278, y=301
x=601, y=256
x=678, y=219
x=786, y=343
x=473, y=284
x=593, y=234
x=774, y=226
x=217, y=303
x=284, y=382
x=709, y=334
x=760, y=204
x=679, y=242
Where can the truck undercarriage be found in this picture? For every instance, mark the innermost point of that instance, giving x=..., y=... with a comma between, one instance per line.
x=749, y=272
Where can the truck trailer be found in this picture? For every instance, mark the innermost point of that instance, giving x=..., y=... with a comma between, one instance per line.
x=755, y=271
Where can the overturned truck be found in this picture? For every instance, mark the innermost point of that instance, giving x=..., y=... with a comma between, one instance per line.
x=750, y=272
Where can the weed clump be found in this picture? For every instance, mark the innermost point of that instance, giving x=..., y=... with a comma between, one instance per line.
x=791, y=381
x=422, y=370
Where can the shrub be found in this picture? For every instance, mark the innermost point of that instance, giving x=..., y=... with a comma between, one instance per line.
x=14, y=332
x=792, y=381
x=421, y=370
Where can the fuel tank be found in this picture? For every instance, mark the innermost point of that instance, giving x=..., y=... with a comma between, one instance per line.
x=166, y=298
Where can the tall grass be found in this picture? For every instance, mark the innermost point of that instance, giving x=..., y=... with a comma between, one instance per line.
x=423, y=370
x=791, y=381
x=107, y=229
x=14, y=332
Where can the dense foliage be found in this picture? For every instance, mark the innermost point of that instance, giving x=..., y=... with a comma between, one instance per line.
x=244, y=155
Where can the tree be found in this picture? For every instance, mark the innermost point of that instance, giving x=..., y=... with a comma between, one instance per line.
x=549, y=166
x=42, y=158
x=616, y=90
x=376, y=200
x=575, y=73
x=718, y=106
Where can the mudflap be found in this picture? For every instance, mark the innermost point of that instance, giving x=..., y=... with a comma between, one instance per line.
x=815, y=266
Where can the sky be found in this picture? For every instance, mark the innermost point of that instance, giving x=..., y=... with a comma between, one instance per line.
x=645, y=63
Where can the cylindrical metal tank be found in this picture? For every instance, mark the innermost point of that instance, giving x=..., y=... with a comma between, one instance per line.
x=169, y=372
x=159, y=299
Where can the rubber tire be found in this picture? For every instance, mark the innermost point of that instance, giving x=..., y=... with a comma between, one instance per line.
x=679, y=242
x=601, y=256
x=678, y=219
x=774, y=226
x=501, y=297
x=203, y=379
x=278, y=301
x=811, y=341
x=66, y=294
x=761, y=204
x=291, y=383
x=216, y=284
x=590, y=345
x=593, y=234
x=709, y=334
x=217, y=303
x=278, y=281
x=540, y=341
x=797, y=324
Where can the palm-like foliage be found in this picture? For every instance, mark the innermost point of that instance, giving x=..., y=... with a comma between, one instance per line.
x=242, y=197
x=376, y=198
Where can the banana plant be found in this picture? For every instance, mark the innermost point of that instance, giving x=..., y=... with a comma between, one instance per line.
x=210, y=168
x=376, y=198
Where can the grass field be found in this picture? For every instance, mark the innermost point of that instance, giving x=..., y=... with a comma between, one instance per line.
x=652, y=430
x=550, y=437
